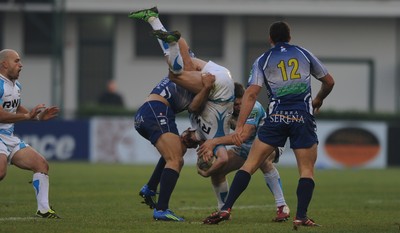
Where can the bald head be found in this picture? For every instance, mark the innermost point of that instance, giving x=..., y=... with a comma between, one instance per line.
x=5, y=53
x=10, y=64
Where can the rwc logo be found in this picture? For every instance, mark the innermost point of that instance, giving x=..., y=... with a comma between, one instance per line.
x=12, y=104
x=203, y=126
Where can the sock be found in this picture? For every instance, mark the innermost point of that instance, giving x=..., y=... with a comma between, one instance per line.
x=157, y=25
x=175, y=60
x=168, y=181
x=273, y=181
x=239, y=184
x=40, y=183
x=221, y=192
x=304, y=193
x=156, y=176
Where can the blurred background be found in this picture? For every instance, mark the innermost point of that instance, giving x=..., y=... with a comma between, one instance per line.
x=72, y=49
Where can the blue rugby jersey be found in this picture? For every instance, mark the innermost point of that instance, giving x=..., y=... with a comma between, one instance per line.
x=286, y=70
x=178, y=98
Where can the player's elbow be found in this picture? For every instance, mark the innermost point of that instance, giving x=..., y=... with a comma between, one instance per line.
x=328, y=82
x=196, y=109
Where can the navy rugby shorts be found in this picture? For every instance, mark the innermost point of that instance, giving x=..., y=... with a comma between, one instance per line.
x=298, y=126
x=153, y=119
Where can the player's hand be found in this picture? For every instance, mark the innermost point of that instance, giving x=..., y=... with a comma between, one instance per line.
x=48, y=113
x=34, y=112
x=237, y=136
x=206, y=150
x=207, y=80
x=316, y=103
x=202, y=173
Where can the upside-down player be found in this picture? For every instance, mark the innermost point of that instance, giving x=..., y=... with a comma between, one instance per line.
x=148, y=122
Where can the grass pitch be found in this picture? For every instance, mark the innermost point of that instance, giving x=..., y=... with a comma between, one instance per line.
x=104, y=198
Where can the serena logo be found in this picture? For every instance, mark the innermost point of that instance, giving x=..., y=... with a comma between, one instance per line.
x=352, y=147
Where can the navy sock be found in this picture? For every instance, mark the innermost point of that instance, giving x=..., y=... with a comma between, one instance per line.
x=156, y=176
x=239, y=184
x=169, y=177
x=304, y=193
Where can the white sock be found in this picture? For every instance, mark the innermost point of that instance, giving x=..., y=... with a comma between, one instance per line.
x=175, y=60
x=273, y=181
x=40, y=183
x=157, y=25
x=221, y=191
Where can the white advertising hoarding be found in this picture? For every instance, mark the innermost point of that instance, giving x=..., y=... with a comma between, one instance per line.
x=342, y=144
x=115, y=140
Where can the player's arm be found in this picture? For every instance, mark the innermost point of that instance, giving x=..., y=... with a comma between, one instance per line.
x=206, y=148
x=43, y=113
x=222, y=159
x=198, y=102
x=326, y=88
x=248, y=101
x=22, y=114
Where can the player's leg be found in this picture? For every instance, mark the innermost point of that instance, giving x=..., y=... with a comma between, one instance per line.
x=173, y=156
x=162, y=132
x=273, y=181
x=3, y=166
x=149, y=190
x=306, y=158
x=174, y=60
x=190, y=77
x=304, y=141
x=151, y=16
x=219, y=181
x=258, y=153
x=221, y=187
x=187, y=77
x=29, y=159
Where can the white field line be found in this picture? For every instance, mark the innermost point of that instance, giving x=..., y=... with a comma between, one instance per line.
x=236, y=207
x=17, y=219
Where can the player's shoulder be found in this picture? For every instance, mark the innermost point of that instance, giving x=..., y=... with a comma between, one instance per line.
x=19, y=85
x=302, y=50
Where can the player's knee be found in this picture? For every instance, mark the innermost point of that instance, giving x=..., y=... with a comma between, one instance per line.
x=42, y=166
x=266, y=166
x=180, y=161
x=175, y=163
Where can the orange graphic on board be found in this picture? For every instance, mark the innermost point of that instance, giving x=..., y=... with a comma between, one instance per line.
x=352, y=147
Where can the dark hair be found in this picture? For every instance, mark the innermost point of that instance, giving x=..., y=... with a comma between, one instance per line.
x=239, y=90
x=279, y=32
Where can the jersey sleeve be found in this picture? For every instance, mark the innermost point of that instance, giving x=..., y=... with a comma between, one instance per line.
x=257, y=73
x=256, y=115
x=317, y=69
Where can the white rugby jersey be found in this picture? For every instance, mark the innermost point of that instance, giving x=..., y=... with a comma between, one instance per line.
x=10, y=97
x=224, y=87
x=214, y=119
